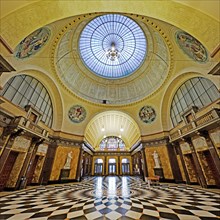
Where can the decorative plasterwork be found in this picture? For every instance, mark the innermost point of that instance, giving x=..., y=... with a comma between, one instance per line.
x=112, y=123
x=78, y=80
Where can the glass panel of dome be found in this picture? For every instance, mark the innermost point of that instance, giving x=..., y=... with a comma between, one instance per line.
x=112, y=46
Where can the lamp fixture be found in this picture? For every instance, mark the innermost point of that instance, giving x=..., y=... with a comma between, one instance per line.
x=121, y=129
x=103, y=128
x=112, y=53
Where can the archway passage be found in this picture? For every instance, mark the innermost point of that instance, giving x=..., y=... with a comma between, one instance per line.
x=112, y=123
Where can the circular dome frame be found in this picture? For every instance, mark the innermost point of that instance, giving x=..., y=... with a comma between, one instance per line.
x=112, y=46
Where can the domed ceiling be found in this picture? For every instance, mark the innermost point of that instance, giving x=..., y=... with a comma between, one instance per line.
x=112, y=58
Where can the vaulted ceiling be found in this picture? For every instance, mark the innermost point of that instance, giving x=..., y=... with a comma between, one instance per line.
x=154, y=83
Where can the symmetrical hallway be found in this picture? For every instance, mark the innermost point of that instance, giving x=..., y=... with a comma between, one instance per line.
x=111, y=198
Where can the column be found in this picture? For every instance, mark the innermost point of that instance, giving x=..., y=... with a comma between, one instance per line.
x=119, y=166
x=79, y=167
x=48, y=163
x=183, y=163
x=145, y=171
x=213, y=153
x=199, y=172
x=174, y=164
x=28, y=162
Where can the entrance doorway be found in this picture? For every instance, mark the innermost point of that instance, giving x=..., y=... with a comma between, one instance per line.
x=125, y=166
x=112, y=166
x=98, y=166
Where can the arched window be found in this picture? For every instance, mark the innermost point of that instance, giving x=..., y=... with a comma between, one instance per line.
x=112, y=143
x=25, y=90
x=197, y=92
x=125, y=160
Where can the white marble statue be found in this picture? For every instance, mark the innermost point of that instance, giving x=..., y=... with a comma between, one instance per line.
x=68, y=160
x=156, y=160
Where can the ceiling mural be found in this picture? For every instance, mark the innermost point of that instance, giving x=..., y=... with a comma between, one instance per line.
x=147, y=114
x=77, y=113
x=32, y=43
x=191, y=46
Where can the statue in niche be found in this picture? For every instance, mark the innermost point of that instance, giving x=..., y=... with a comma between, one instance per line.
x=156, y=160
x=68, y=160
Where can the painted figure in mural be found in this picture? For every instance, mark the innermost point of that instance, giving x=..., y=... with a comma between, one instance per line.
x=32, y=43
x=156, y=160
x=77, y=113
x=192, y=47
x=147, y=114
x=68, y=160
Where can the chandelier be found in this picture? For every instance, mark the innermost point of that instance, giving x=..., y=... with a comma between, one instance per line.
x=112, y=53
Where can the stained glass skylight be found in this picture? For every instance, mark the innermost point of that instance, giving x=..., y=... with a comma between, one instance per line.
x=112, y=46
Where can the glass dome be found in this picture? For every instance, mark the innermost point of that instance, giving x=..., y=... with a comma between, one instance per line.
x=112, y=46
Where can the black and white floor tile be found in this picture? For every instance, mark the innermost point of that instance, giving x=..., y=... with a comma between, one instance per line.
x=111, y=198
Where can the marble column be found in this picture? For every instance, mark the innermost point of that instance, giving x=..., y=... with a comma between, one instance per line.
x=178, y=148
x=174, y=163
x=200, y=176
x=31, y=153
x=144, y=163
x=213, y=153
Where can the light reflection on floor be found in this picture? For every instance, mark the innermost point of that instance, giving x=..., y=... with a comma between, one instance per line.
x=111, y=198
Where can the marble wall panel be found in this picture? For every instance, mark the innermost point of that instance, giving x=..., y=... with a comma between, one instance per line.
x=60, y=160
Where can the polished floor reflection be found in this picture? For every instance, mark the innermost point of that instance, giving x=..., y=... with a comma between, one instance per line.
x=111, y=198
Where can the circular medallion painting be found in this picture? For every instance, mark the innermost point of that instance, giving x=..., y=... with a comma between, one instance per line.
x=192, y=47
x=32, y=43
x=147, y=114
x=77, y=113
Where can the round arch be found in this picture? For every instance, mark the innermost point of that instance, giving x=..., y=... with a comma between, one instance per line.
x=52, y=89
x=112, y=123
x=17, y=25
x=170, y=92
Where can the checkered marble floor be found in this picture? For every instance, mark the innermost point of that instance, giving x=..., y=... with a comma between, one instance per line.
x=111, y=198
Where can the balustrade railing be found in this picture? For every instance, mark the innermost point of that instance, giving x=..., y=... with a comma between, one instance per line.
x=210, y=117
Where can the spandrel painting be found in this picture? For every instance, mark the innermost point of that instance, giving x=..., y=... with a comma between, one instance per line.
x=191, y=46
x=32, y=43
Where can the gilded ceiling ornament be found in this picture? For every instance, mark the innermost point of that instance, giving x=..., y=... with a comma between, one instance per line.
x=32, y=43
x=191, y=46
x=147, y=114
x=77, y=113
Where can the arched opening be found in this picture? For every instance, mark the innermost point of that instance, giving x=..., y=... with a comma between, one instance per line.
x=98, y=166
x=112, y=168
x=125, y=166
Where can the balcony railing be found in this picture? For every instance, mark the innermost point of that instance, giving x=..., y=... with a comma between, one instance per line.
x=199, y=123
x=28, y=126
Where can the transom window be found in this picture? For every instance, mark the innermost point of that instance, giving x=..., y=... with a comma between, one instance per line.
x=25, y=90
x=197, y=92
x=112, y=46
x=112, y=143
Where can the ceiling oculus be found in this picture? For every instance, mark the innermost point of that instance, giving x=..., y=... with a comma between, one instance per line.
x=112, y=46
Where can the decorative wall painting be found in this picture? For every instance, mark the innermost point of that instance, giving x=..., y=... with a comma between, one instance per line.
x=77, y=113
x=147, y=114
x=32, y=43
x=192, y=47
